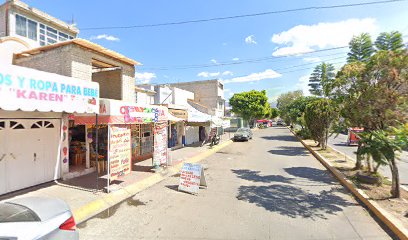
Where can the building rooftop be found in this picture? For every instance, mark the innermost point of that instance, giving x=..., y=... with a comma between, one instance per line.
x=82, y=43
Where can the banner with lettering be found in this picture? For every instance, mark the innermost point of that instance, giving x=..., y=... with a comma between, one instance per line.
x=119, y=151
x=30, y=90
x=160, y=144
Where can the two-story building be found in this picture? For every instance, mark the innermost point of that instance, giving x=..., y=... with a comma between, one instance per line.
x=209, y=93
x=83, y=126
x=23, y=27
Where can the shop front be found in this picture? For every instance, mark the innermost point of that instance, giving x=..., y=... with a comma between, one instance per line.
x=34, y=108
x=137, y=130
x=177, y=119
x=198, y=126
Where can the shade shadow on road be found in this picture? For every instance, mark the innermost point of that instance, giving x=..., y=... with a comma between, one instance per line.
x=280, y=138
x=312, y=174
x=290, y=151
x=294, y=202
x=254, y=176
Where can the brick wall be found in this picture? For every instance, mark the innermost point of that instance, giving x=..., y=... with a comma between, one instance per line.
x=109, y=84
x=54, y=61
x=75, y=61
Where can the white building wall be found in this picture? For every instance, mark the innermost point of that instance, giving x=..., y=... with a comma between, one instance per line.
x=8, y=47
x=180, y=96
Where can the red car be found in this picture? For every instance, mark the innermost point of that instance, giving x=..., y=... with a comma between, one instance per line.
x=352, y=138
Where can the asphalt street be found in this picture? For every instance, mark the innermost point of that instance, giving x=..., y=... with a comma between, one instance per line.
x=267, y=188
x=339, y=142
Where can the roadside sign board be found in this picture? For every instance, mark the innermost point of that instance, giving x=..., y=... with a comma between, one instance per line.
x=191, y=178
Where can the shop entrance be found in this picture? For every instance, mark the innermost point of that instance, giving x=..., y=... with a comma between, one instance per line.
x=28, y=152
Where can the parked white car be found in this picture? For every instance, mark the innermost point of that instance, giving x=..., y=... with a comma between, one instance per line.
x=36, y=218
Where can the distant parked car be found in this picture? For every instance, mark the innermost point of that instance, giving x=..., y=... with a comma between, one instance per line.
x=243, y=134
x=36, y=218
x=352, y=138
x=280, y=122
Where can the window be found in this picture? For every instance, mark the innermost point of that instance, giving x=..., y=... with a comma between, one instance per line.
x=16, y=125
x=21, y=26
x=26, y=27
x=32, y=30
x=16, y=213
x=39, y=32
x=220, y=104
x=42, y=124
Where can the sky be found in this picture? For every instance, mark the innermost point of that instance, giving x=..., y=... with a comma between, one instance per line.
x=267, y=52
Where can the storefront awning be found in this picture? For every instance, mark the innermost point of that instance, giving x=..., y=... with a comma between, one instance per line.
x=173, y=118
x=196, y=116
x=28, y=89
x=121, y=112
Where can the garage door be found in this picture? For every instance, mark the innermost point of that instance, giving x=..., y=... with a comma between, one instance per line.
x=28, y=153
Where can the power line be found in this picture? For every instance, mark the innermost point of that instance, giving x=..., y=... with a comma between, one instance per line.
x=227, y=63
x=244, y=15
x=294, y=68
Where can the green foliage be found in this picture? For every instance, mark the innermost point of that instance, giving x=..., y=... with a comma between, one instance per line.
x=250, y=105
x=304, y=133
x=297, y=108
x=273, y=113
x=321, y=79
x=374, y=94
x=391, y=41
x=361, y=48
x=382, y=145
x=284, y=101
x=318, y=116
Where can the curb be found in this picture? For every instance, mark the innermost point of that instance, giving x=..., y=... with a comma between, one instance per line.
x=97, y=206
x=390, y=221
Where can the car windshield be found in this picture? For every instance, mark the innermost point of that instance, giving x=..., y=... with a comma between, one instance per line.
x=242, y=130
x=16, y=213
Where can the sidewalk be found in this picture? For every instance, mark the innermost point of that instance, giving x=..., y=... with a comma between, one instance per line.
x=85, y=200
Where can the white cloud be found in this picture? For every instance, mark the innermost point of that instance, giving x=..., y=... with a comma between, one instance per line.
x=213, y=61
x=208, y=74
x=235, y=59
x=214, y=74
x=143, y=78
x=106, y=37
x=224, y=44
x=227, y=73
x=250, y=39
x=303, y=85
x=253, y=77
x=305, y=38
x=312, y=59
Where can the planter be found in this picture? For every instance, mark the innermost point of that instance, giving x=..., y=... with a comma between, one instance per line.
x=369, y=179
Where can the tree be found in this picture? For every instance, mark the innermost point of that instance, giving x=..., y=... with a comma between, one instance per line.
x=319, y=114
x=273, y=113
x=391, y=41
x=382, y=148
x=296, y=110
x=321, y=79
x=283, y=102
x=361, y=48
x=374, y=95
x=250, y=105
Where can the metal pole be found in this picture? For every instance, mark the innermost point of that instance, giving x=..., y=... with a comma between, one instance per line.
x=108, y=152
x=97, y=152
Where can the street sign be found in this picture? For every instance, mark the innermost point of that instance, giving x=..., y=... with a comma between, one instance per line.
x=191, y=178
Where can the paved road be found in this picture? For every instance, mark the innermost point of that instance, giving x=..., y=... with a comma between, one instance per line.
x=339, y=143
x=268, y=188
